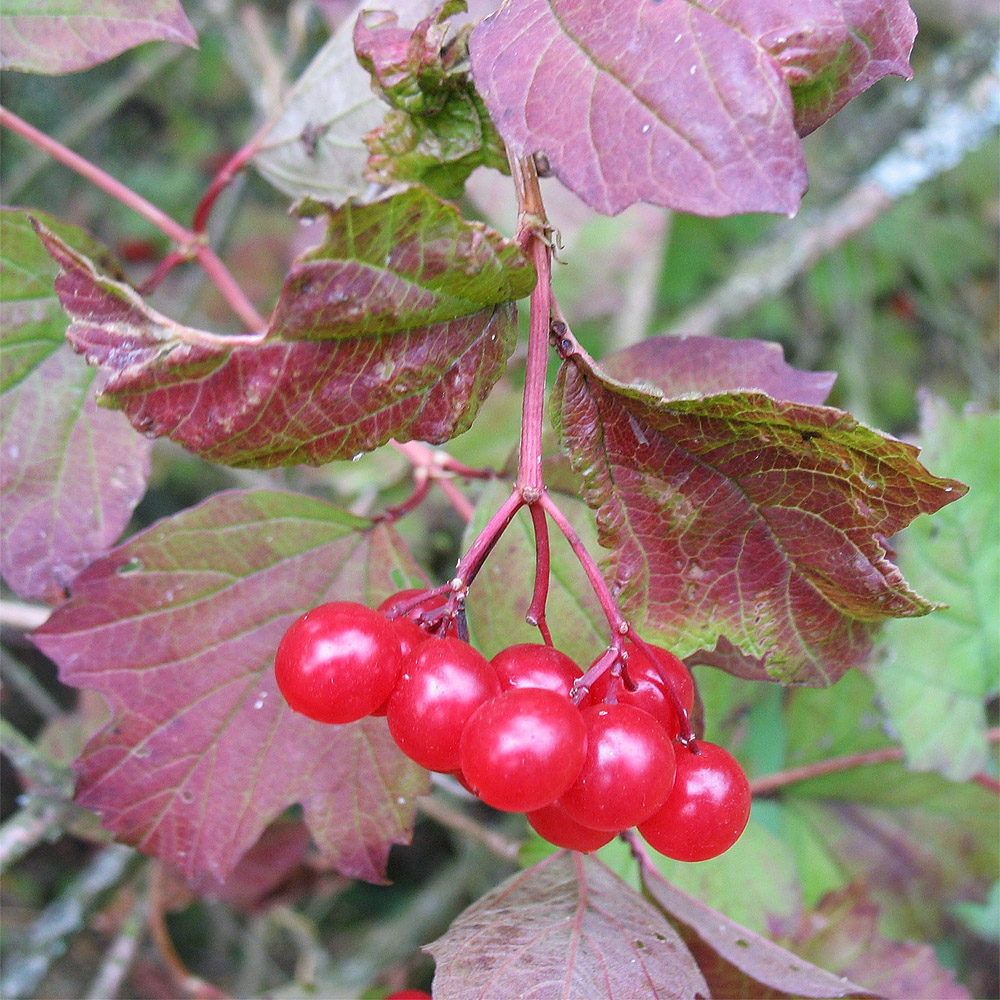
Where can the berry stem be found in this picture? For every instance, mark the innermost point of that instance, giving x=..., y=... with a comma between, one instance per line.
x=539, y=595
x=190, y=244
x=616, y=622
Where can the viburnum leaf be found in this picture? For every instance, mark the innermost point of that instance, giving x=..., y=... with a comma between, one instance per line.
x=845, y=929
x=32, y=320
x=565, y=929
x=397, y=326
x=177, y=629
x=748, y=527
x=940, y=716
x=730, y=955
x=63, y=36
x=71, y=472
x=683, y=104
x=316, y=146
x=438, y=130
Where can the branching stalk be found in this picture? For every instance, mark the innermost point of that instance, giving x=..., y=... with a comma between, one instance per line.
x=189, y=243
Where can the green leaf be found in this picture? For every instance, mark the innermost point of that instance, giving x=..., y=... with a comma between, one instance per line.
x=32, y=321
x=438, y=130
x=935, y=676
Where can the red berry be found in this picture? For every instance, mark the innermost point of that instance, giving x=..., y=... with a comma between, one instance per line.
x=707, y=809
x=409, y=995
x=523, y=749
x=440, y=687
x=531, y=665
x=338, y=662
x=651, y=680
x=628, y=772
x=557, y=826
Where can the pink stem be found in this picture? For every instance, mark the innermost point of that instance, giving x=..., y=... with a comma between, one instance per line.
x=188, y=241
x=540, y=593
x=616, y=621
x=529, y=468
x=225, y=176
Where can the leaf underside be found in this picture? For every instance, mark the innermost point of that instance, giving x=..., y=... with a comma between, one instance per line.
x=741, y=524
x=55, y=36
x=565, y=929
x=177, y=629
x=396, y=326
x=682, y=104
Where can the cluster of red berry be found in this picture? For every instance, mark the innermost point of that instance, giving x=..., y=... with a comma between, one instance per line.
x=515, y=731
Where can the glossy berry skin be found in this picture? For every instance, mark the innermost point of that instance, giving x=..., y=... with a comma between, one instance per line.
x=707, y=809
x=650, y=681
x=439, y=688
x=409, y=631
x=337, y=662
x=532, y=665
x=628, y=772
x=521, y=750
x=409, y=995
x=558, y=827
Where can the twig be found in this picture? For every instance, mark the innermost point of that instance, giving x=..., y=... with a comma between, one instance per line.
x=455, y=819
x=121, y=953
x=39, y=819
x=187, y=241
x=952, y=129
x=768, y=784
x=23, y=680
x=38, y=769
x=26, y=617
x=45, y=942
x=187, y=983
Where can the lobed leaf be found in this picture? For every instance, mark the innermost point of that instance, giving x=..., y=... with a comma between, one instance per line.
x=682, y=104
x=741, y=524
x=177, y=630
x=72, y=473
x=63, y=36
x=397, y=326
x=565, y=928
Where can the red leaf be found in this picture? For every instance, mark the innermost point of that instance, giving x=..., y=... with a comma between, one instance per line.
x=51, y=37
x=845, y=929
x=729, y=953
x=744, y=521
x=397, y=326
x=72, y=475
x=681, y=104
x=565, y=928
x=177, y=629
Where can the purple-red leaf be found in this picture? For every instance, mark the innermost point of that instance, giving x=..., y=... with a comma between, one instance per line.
x=565, y=929
x=744, y=522
x=682, y=104
x=397, y=326
x=845, y=930
x=729, y=953
x=72, y=473
x=177, y=629
x=63, y=36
